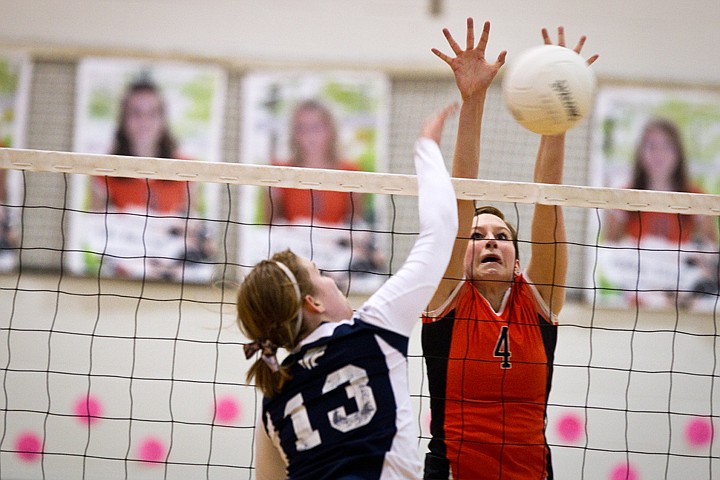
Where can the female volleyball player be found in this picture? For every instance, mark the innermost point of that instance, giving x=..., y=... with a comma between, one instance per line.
x=489, y=338
x=338, y=406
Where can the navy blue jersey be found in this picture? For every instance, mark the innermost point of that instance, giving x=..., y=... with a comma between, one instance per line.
x=339, y=415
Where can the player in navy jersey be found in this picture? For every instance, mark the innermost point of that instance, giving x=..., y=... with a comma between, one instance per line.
x=338, y=406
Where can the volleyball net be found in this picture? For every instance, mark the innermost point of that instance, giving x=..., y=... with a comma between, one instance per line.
x=122, y=358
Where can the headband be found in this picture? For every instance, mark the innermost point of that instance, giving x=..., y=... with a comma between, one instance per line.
x=296, y=286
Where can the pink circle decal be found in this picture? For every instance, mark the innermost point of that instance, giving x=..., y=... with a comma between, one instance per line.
x=699, y=432
x=151, y=450
x=227, y=410
x=624, y=472
x=570, y=427
x=88, y=409
x=28, y=446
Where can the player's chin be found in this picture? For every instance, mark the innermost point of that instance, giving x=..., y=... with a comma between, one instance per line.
x=490, y=271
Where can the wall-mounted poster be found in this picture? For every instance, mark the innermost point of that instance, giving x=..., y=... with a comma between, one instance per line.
x=331, y=120
x=15, y=71
x=146, y=228
x=664, y=140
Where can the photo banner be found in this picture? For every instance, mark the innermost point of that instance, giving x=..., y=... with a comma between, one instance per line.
x=158, y=229
x=332, y=120
x=652, y=139
x=15, y=72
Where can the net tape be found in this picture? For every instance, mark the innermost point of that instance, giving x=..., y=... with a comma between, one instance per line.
x=347, y=181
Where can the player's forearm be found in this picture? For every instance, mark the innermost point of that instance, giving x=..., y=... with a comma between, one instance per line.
x=404, y=296
x=466, y=159
x=550, y=159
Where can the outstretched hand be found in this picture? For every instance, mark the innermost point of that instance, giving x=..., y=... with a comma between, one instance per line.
x=473, y=74
x=561, y=43
x=433, y=125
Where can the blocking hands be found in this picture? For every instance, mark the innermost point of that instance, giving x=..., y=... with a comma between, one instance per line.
x=473, y=73
x=561, y=42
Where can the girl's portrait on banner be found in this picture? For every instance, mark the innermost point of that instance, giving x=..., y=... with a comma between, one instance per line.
x=135, y=227
x=329, y=120
x=662, y=140
x=15, y=70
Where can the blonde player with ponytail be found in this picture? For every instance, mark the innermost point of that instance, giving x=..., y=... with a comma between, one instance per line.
x=338, y=406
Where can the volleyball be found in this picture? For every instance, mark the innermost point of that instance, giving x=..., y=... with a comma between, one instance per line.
x=549, y=89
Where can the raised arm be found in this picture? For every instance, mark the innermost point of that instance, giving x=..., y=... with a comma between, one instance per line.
x=547, y=267
x=473, y=76
x=398, y=304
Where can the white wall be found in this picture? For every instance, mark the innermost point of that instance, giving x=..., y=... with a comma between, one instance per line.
x=665, y=41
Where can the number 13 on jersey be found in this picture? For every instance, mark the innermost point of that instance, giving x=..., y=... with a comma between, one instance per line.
x=355, y=381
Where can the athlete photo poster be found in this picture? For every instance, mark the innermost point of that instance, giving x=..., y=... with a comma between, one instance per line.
x=335, y=120
x=150, y=229
x=15, y=71
x=654, y=260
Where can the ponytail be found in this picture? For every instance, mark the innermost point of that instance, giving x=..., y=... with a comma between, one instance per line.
x=269, y=307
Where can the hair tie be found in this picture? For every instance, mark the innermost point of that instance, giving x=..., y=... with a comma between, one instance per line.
x=269, y=352
x=296, y=286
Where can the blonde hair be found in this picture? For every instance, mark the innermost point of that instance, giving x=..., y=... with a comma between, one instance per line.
x=269, y=309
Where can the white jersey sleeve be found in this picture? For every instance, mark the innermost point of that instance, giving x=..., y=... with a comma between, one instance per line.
x=398, y=304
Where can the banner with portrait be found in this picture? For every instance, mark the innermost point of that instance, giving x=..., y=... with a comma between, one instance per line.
x=332, y=120
x=655, y=139
x=147, y=228
x=15, y=71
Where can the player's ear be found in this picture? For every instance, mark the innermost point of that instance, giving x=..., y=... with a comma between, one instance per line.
x=517, y=268
x=313, y=305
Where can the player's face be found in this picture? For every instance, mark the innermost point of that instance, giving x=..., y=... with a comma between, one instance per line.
x=490, y=253
x=335, y=304
x=144, y=121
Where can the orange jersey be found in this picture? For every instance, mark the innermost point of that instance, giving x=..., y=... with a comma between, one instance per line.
x=489, y=379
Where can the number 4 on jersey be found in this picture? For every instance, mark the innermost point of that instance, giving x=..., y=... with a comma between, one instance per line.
x=502, y=347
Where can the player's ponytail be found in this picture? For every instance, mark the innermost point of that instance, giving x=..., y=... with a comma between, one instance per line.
x=269, y=313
